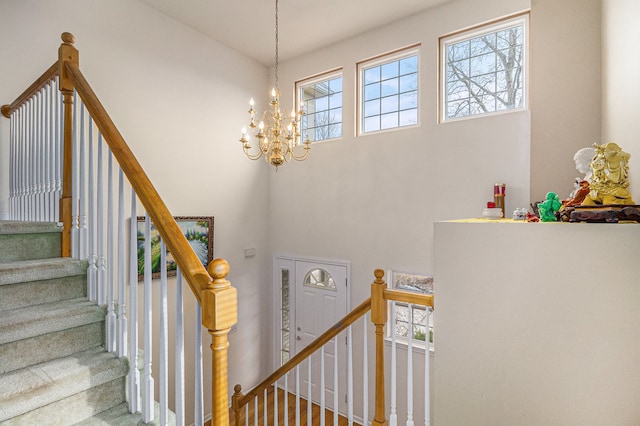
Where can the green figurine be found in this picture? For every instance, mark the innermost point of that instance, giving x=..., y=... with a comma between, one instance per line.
x=549, y=207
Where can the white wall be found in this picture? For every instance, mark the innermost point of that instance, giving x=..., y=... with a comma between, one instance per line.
x=565, y=90
x=537, y=324
x=179, y=99
x=620, y=87
x=373, y=199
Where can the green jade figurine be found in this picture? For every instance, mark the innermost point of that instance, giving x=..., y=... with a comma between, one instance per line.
x=549, y=207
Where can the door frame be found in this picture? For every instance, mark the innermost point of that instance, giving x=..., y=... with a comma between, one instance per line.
x=289, y=262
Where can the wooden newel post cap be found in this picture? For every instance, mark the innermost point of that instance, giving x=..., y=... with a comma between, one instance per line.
x=237, y=388
x=68, y=38
x=218, y=269
x=5, y=111
x=378, y=273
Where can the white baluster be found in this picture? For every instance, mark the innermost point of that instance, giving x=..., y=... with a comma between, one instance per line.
x=275, y=402
x=179, y=362
x=51, y=143
x=111, y=315
x=44, y=150
x=255, y=411
x=58, y=151
x=365, y=371
x=82, y=203
x=199, y=401
x=246, y=414
x=393, y=415
x=122, y=246
x=410, y=369
x=102, y=271
x=265, y=407
x=134, y=373
x=322, y=387
x=309, y=399
x=336, y=391
x=147, y=319
x=427, y=374
x=12, y=167
x=164, y=337
x=286, y=399
x=30, y=167
x=92, y=270
x=297, y=394
x=350, y=375
x=75, y=183
x=37, y=158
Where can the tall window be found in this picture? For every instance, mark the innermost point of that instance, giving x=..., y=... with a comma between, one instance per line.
x=483, y=69
x=388, y=91
x=321, y=99
x=406, y=318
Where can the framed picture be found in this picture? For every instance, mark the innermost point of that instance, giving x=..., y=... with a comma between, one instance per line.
x=199, y=233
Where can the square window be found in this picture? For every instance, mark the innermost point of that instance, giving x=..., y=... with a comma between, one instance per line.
x=381, y=83
x=411, y=320
x=321, y=100
x=484, y=69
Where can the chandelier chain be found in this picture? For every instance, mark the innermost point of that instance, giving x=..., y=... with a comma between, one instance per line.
x=277, y=88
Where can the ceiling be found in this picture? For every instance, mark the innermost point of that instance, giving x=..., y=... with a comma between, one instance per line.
x=248, y=26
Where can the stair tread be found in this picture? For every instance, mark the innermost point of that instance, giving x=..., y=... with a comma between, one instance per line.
x=40, y=269
x=8, y=227
x=29, y=388
x=37, y=320
x=120, y=416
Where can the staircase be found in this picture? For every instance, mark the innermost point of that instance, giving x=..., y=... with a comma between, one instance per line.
x=53, y=365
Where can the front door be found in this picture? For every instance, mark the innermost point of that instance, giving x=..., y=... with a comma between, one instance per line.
x=320, y=302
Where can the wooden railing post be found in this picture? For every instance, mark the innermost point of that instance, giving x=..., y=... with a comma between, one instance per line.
x=235, y=404
x=219, y=313
x=66, y=53
x=379, y=318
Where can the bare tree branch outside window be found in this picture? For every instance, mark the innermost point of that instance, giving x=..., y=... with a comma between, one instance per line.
x=484, y=73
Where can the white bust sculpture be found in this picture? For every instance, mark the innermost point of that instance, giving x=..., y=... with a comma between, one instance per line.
x=583, y=162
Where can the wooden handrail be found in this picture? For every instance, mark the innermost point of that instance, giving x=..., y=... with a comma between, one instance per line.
x=189, y=263
x=240, y=400
x=49, y=75
x=408, y=297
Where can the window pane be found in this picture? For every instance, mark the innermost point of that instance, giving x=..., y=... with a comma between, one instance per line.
x=409, y=117
x=335, y=101
x=389, y=104
x=371, y=124
x=372, y=108
x=390, y=70
x=389, y=121
x=408, y=100
x=408, y=82
x=372, y=75
x=335, y=85
x=371, y=91
x=409, y=65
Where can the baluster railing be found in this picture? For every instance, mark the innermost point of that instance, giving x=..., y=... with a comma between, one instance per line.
x=57, y=173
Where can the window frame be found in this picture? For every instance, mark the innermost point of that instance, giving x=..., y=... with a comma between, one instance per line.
x=401, y=341
x=392, y=56
x=475, y=31
x=324, y=76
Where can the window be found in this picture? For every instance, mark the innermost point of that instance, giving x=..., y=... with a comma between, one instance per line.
x=483, y=69
x=405, y=317
x=285, y=352
x=321, y=100
x=388, y=91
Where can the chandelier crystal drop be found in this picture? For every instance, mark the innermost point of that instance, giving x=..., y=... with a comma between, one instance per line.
x=277, y=140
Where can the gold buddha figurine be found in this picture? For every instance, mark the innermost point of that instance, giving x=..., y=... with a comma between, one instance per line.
x=609, y=176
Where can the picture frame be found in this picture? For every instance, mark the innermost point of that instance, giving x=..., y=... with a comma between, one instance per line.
x=197, y=229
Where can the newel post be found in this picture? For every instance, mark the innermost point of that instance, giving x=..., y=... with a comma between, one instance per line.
x=66, y=53
x=379, y=318
x=219, y=313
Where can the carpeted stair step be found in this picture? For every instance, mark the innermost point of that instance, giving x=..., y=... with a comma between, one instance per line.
x=41, y=333
x=29, y=240
x=120, y=416
x=31, y=282
x=63, y=391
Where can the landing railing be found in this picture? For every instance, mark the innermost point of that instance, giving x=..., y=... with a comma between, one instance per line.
x=290, y=394
x=66, y=156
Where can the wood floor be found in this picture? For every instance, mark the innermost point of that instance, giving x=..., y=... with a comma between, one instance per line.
x=315, y=412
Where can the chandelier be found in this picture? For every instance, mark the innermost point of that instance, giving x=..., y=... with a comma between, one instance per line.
x=277, y=140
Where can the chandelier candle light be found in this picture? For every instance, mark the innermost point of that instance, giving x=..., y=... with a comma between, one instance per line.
x=276, y=141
